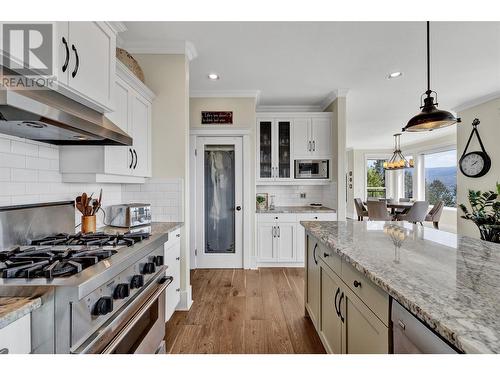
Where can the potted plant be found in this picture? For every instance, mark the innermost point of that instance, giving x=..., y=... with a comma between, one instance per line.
x=261, y=200
x=485, y=213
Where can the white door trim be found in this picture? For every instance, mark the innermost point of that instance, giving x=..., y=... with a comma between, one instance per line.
x=247, y=207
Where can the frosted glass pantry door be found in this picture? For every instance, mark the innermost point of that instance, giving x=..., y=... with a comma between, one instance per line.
x=219, y=199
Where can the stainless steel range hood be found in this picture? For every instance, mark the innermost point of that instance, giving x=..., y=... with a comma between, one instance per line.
x=48, y=116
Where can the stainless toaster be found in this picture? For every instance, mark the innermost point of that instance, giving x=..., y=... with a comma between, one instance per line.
x=130, y=215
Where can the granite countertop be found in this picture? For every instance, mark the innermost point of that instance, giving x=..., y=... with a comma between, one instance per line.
x=14, y=308
x=450, y=282
x=156, y=228
x=296, y=210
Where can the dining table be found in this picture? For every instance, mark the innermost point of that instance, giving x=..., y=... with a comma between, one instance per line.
x=402, y=206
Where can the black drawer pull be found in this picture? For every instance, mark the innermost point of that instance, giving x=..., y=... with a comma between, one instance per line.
x=326, y=255
x=357, y=284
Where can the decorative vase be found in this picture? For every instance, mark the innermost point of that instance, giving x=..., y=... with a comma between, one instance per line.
x=88, y=224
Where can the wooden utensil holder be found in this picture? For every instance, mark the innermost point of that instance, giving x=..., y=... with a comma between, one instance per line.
x=88, y=224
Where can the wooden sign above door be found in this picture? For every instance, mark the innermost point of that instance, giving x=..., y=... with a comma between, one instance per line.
x=218, y=117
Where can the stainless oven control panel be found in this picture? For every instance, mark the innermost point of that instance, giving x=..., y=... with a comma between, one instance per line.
x=94, y=309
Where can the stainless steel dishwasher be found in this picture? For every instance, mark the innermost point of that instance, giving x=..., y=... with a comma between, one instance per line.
x=411, y=336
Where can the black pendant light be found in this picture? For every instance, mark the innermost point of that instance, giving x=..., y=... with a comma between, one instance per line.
x=430, y=117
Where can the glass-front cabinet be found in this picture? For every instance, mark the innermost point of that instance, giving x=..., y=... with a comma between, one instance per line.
x=274, y=150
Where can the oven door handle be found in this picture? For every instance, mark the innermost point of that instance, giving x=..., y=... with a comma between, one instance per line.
x=156, y=287
x=164, y=283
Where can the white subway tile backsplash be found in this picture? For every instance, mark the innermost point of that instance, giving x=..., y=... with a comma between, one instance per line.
x=164, y=195
x=29, y=173
x=12, y=160
x=286, y=195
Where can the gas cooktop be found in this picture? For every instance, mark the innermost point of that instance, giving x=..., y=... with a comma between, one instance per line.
x=63, y=254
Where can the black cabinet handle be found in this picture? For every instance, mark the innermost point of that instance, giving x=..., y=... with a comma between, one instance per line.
x=132, y=158
x=66, y=61
x=136, y=158
x=335, y=303
x=314, y=253
x=357, y=284
x=77, y=63
x=238, y=208
x=326, y=255
x=340, y=311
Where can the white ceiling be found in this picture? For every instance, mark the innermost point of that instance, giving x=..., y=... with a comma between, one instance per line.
x=301, y=63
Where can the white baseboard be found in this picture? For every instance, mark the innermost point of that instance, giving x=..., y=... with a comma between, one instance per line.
x=281, y=264
x=186, y=300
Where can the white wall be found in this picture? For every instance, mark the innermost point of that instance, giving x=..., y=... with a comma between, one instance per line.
x=489, y=130
x=168, y=77
x=339, y=166
x=29, y=173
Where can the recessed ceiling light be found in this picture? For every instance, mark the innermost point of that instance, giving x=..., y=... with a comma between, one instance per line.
x=394, y=75
x=213, y=76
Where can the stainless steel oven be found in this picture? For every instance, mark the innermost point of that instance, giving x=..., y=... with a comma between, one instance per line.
x=312, y=169
x=138, y=327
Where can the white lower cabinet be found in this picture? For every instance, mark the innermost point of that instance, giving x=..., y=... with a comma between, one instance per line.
x=172, y=261
x=281, y=237
x=348, y=318
x=16, y=337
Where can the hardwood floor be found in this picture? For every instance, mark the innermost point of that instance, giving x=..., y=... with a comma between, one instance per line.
x=244, y=311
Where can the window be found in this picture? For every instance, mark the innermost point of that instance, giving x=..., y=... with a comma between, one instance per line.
x=375, y=178
x=408, y=181
x=441, y=177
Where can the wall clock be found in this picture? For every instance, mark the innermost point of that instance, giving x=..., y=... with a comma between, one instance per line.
x=476, y=163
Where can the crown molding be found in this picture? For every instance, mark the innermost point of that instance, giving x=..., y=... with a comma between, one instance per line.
x=332, y=95
x=168, y=47
x=477, y=101
x=289, y=108
x=224, y=94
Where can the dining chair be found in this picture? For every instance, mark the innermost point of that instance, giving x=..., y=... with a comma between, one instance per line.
x=360, y=209
x=377, y=211
x=416, y=214
x=402, y=210
x=435, y=214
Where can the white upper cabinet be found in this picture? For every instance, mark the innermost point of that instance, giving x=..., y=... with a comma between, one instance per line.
x=283, y=138
x=85, y=62
x=312, y=137
x=117, y=164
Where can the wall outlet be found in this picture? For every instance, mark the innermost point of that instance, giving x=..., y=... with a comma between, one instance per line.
x=303, y=195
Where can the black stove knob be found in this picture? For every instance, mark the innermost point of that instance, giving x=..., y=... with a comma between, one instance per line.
x=148, y=268
x=158, y=260
x=103, y=306
x=136, y=282
x=121, y=291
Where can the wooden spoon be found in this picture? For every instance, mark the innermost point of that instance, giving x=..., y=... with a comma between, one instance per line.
x=79, y=205
x=84, y=203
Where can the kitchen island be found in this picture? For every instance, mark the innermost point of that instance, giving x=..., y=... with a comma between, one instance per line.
x=449, y=282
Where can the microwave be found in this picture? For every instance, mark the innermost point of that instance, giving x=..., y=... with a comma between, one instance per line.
x=312, y=169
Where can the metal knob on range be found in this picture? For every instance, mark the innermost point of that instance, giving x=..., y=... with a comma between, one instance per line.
x=148, y=268
x=136, y=282
x=121, y=291
x=158, y=260
x=103, y=306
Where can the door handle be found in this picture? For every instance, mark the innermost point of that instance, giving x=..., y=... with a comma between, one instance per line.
x=314, y=253
x=238, y=208
x=340, y=311
x=274, y=232
x=131, y=158
x=66, y=61
x=335, y=302
x=309, y=146
x=77, y=63
x=279, y=232
x=136, y=159
x=314, y=145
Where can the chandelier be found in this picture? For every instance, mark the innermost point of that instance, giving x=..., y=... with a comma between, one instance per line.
x=397, y=161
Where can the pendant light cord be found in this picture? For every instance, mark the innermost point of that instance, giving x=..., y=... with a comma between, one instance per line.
x=428, y=59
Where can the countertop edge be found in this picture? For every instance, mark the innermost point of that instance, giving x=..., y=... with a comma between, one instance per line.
x=10, y=317
x=427, y=318
x=297, y=210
